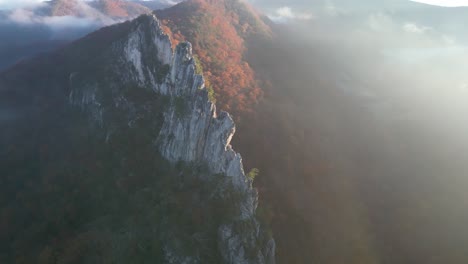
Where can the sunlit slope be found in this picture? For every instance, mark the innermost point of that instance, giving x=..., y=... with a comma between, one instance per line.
x=218, y=31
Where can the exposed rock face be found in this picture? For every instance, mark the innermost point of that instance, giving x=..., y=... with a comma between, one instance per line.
x=191, y=130
x=212, y=133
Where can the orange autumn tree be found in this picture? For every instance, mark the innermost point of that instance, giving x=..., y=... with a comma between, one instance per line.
x=217, y=30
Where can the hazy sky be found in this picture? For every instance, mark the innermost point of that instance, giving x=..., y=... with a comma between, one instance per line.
x=447, y=3
x=291, y=8
x=360, y=3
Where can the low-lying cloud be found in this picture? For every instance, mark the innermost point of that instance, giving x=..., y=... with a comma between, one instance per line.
x=28, y=17
x=35, y=12
x=285, y=13
x=27, y=28
x=9, y=5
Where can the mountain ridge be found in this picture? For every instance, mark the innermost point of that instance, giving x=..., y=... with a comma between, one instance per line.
x=133, y=86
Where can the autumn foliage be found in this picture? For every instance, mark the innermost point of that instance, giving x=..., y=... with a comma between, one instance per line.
x=120, y=8
x=217, y=31
x=114, y=8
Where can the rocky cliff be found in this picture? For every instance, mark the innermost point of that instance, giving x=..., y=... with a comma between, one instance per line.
x=190, y=131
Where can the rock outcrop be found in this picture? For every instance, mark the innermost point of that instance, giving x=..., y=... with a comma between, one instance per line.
x=191, y=130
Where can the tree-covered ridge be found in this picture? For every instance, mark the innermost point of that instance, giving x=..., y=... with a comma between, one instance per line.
x=217, y=31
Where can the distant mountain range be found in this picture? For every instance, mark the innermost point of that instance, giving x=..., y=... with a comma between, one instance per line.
x=116, y=9
x=41, y=28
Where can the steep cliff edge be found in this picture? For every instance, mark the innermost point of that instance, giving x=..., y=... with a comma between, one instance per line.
x=134, y=92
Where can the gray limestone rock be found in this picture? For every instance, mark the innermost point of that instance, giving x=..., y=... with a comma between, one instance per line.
x=192, y=131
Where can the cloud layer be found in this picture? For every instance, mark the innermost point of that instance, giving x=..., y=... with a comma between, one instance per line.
x=285, y=13
x=27, y=27
x=9, y=4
